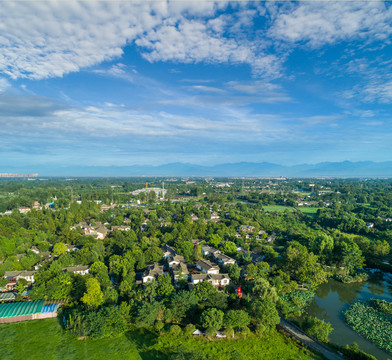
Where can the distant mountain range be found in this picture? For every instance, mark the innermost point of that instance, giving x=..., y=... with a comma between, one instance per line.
x=241, y=169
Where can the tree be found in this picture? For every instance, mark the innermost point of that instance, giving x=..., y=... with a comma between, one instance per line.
x=229, y=248
x=204, y=289
x=93, y=296
x=147, y=313
x=212, y=318
x=352, y=258
x=237, y=318
x=22, y=283
x=59, y=249
x=181, y=304
x=164, y=286
x=175, y=330
x=234, y=271
x=303, y=265
x=262, y=289
x=264, y=313
x=100, y=271
x=317, y=328
x=153, y=254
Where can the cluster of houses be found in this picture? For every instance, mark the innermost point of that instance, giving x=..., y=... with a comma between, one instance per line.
x=203, y=270
x=99, y=231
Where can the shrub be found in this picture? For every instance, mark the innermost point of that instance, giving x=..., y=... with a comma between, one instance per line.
x=175, y=330
x=211, y=331
x=189, y=329
x=317, y=328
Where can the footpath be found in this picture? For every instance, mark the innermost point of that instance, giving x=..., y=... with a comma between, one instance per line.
x=300, y=335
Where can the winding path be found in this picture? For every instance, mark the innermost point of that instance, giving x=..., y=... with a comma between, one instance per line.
x=296, y=332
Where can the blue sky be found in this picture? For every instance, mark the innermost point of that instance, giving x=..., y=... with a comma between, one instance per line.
x=122, y=83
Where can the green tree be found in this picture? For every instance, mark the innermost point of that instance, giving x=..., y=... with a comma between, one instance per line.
x=264, y=313
x=204, y=289
x=234, y=271
x=262, y=289
x=59, y=249
x=317, y=328
x=212, y=318
x=303, y=265
x=164, y=286
x=237, y=318
x=93, y=297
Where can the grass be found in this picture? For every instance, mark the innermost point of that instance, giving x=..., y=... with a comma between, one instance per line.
x=277, y=208
x=311, y=211
x=45, y=339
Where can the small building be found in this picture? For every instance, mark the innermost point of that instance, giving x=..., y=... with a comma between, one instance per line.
x=14, y=276
x=208, y=250
x=214, y=279
x=80, y=269
x=224, y=259
x=168, y=251
x=175, y=260
x=246, y=228
x=152, y=273
x=121, y=228
x=207, y=267
x=24, y=209
x=179, y=271
x=34, y=249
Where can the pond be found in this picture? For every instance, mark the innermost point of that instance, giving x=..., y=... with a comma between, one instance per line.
x=333, y=297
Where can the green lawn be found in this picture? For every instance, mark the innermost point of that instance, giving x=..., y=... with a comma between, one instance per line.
x=308, y=210
x=44, y=339
x=277, y=208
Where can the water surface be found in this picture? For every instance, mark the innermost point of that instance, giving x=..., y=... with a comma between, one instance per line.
x=334, y=297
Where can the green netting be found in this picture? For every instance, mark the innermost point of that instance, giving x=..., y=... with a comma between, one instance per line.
x=21, y=308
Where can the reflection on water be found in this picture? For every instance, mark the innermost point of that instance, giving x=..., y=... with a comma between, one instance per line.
x=334, y=297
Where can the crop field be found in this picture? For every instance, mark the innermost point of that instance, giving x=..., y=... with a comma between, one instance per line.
x=45, y=339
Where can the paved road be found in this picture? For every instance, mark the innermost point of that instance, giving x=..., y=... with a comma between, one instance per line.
x=308, y=341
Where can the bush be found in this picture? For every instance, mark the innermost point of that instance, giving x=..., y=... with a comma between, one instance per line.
x=211, y=331
x=189, y=329
x=158, y=326
x=229, y=332
x=175, y=330
x=317, y=328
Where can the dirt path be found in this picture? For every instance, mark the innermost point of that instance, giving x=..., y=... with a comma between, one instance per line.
x=308, y=341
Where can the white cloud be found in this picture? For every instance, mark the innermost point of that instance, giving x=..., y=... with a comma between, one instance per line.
x=52, y=38
x=4, y=84
x=318, y=23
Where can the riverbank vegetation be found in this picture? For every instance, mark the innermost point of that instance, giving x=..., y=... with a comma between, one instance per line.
x=373, y=320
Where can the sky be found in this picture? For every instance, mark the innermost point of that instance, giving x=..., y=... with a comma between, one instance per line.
x=118, y=83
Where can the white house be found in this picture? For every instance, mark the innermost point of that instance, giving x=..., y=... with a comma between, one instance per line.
x=152, y=273
x=224, y=259
x=80, y=269
x=214, y=279
x=207, y=267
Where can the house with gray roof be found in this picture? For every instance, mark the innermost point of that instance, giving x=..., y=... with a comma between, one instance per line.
x=207, y=267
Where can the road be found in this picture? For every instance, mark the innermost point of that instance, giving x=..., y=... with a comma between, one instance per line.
x=308, y=341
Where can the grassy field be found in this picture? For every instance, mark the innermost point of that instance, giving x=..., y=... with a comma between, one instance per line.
x=44, y=339
x=308, y=210
x=277, y=208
